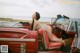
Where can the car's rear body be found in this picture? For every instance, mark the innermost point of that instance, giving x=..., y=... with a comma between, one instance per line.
x=19, y=40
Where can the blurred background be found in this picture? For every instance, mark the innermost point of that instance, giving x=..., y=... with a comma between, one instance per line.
x=23, y=9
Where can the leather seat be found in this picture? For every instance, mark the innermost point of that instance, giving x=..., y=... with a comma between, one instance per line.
x=50, y=44
x=47, y=43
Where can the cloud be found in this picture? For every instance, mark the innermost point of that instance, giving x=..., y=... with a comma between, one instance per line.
x=47, y=8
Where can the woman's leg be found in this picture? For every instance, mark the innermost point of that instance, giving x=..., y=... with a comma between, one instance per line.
x=53, y=37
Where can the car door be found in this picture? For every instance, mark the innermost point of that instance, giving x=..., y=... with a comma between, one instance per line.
x=76, y=43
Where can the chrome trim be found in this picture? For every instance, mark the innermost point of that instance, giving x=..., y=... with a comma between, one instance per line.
x=69, y=26
x=17, y=39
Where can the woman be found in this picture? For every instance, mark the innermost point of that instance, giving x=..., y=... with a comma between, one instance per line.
x=36, y=25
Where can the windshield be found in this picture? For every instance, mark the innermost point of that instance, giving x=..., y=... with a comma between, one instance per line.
x=63, y=22
x=72, y=26
x=11, y=24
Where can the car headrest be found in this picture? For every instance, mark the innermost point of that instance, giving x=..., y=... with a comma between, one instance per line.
x=40, y=31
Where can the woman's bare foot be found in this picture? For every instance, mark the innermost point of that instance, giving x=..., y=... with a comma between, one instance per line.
x=63, y=42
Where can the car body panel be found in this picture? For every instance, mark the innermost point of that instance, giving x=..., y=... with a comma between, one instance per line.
x=19, y=40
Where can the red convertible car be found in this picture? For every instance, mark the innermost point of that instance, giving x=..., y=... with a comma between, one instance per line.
x=16, y=37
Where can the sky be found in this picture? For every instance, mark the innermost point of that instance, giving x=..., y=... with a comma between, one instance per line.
x=23, y=9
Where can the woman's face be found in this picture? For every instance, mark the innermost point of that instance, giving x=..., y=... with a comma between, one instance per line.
x=34, y=16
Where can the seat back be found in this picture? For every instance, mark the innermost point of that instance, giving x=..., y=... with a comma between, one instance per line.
x=40, y=31
x=46, y=39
